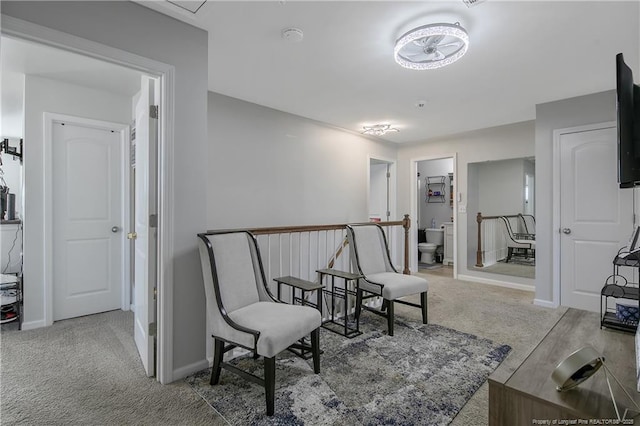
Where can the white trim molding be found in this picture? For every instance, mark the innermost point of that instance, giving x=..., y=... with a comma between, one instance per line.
x=497, y=283
x=545, y=303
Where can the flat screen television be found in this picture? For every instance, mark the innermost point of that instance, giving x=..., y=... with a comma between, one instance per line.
x=628, y=114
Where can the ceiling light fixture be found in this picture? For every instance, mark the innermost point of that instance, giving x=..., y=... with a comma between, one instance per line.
x=378, y=129
x=431, y=46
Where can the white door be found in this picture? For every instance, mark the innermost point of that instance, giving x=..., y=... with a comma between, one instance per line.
x=595, y=215
x=87, y=220
x=145, y=230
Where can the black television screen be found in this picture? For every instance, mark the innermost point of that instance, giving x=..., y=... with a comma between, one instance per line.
x=628, y=114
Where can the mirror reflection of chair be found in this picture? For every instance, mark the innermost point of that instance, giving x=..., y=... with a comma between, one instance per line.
x=243, y=313
x=529, y=224
x=516, y=241
x=370, y=258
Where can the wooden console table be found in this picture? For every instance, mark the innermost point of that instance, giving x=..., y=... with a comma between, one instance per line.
x=528, y=394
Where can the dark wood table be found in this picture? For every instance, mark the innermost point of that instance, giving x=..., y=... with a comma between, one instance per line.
x=528, y=394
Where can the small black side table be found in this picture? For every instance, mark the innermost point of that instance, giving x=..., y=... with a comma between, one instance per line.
x=345, y=329
x=304, y=286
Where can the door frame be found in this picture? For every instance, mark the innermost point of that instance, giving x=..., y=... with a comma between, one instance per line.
x=124, y=131
x=413, y=236
x=24, y=30
x=555, y=220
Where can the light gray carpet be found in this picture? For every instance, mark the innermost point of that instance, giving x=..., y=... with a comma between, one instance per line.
x=86, y=370
x=423, y=375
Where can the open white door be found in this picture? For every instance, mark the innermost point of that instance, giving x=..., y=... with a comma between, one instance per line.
x=145, y=232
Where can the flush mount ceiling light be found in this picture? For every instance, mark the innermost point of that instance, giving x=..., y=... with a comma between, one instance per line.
x=378, y=129
x=431, y=46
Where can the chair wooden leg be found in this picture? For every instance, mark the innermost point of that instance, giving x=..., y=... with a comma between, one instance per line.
x=385, y=302
x=390, y=316
x=270, y=383
x=315, y=350
x=509, y=254
x=218, y=353
x=423, y=304
x=358, y=304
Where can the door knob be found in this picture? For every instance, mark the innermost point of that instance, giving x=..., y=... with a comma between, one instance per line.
x=566, y=230
x=115, y=229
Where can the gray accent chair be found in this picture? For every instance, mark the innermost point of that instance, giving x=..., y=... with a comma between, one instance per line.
x=370, y=258
x=243, y=312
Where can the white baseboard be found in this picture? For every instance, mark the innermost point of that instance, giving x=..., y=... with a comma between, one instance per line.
x=182, y=372
x=497, y=283
x=545, y=303
x=34, y=324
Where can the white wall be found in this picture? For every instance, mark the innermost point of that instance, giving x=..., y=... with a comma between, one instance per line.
x=440, y=211
x=45, y=95
x=270, y=168
x=133, y=28
x=582, y=110
x=496, y=143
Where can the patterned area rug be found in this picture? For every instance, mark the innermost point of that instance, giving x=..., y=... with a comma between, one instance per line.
x=423, y=375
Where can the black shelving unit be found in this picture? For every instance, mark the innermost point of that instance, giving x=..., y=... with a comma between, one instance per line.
x=618, y=287
x=11, y=299
x=435, y=189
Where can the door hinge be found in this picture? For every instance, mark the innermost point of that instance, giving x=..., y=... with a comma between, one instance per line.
x=153, y=220
x=153, y=111
x=132, y=236
x=155, y=293
x=388, y=175
x=153, y=329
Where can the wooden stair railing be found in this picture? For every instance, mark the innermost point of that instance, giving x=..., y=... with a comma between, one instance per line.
x=480, y=218
x=405, y=223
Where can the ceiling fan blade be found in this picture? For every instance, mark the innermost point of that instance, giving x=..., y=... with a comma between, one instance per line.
x=428, y=41
x=453, y=43
x=438, y=55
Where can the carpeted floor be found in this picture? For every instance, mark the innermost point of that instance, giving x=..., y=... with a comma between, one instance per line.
x=422, y=375
x=86, y=370
x=514, y=268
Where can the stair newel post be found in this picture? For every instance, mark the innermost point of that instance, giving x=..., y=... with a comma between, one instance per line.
x=406, y=224
x=479, y=251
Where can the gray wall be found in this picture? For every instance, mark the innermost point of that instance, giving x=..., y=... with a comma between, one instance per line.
x=582, y=110
x=270, y=168
x=136, y=29
x=495, y=143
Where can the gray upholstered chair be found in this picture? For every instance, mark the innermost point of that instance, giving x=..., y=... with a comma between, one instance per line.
x=370, y=258
x=243, y=312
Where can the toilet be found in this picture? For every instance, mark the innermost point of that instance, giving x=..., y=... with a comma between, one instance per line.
x=435, y=238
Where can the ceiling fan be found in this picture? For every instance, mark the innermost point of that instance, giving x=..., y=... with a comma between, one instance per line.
x=431, y=46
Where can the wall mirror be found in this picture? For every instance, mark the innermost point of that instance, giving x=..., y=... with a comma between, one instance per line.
x=501, y=211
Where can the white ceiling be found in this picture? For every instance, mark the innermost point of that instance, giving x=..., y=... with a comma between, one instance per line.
x=521, y=53
x=18, y=58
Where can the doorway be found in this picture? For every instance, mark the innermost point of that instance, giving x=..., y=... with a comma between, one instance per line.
x=381, y=184
x=88, y=214
x=592, y=218
x=80, y=86
x=434, y=213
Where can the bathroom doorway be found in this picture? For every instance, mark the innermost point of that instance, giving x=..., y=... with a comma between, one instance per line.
x=435, y=213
